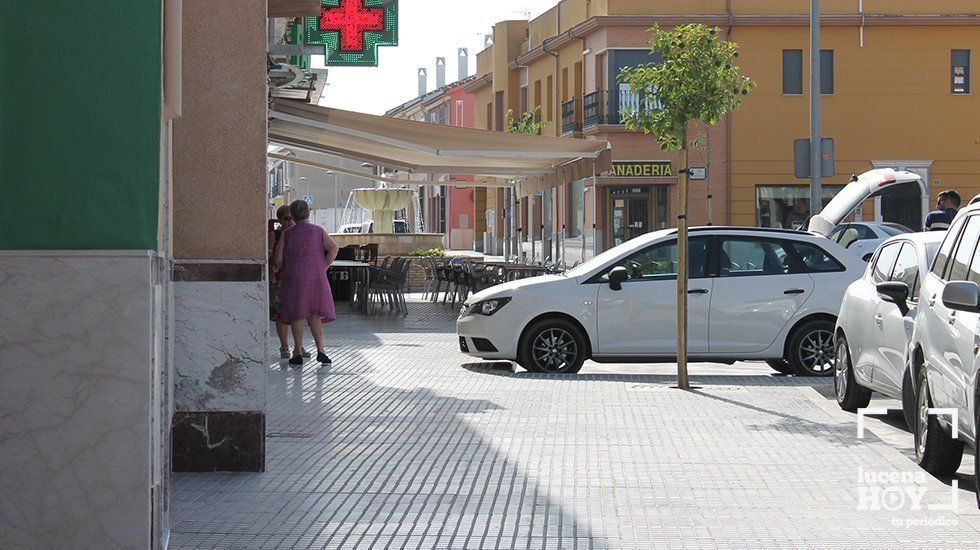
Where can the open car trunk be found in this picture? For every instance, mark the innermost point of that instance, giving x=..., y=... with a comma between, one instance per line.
x=861, y=188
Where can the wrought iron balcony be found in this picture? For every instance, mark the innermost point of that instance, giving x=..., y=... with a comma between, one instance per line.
x=610, y=107
x=571, y=120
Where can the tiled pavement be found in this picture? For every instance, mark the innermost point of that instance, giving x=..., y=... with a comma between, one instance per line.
x=406, y=443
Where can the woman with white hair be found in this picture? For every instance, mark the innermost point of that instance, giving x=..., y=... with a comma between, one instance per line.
x=304, y=253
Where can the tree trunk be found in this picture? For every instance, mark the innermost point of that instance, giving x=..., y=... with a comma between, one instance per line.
x=682, y=263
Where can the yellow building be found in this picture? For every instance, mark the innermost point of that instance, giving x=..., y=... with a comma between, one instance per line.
x=897, y=92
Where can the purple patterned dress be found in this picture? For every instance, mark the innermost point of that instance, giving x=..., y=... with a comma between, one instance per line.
x=305, y=290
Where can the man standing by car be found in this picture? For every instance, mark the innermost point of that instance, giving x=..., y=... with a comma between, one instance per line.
x=948, y=203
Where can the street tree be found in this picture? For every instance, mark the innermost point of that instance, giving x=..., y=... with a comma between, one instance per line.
x=527, y=123
x=696, y=80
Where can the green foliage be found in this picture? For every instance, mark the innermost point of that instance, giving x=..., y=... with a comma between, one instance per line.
x=527, y=123
x=437, y=252
x=697, y=81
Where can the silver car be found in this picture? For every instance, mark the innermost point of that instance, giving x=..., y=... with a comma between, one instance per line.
x=945, y=350
x=876, y=319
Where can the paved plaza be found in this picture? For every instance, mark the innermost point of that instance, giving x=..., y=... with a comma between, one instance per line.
x=406, y=443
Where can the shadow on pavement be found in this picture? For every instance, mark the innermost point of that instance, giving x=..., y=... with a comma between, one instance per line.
x=354, y=464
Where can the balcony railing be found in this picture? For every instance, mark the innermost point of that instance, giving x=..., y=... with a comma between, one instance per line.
x=571, y=121
x=610, y=107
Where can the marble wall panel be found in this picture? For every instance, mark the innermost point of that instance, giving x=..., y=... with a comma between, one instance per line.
x=76, y=369
x=221, y=334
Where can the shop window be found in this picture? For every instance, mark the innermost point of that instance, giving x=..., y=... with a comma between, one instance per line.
x=960, y=71
x=788, y=206
x=792, y=72
x=660, y=207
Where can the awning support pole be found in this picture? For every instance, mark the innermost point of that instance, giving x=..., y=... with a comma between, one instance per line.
x=531, y=226
x=595, y=212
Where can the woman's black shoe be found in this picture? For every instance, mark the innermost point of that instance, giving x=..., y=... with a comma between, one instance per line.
x=322, y=358
x=298, y=360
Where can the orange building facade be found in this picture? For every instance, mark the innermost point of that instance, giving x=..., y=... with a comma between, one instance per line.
x=897, y=92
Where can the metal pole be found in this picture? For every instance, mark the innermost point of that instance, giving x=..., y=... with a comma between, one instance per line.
x=816, y=200
x=515, y=243
x=336, y=204
x=530, y=226
x=595, y=212
x=506, y=222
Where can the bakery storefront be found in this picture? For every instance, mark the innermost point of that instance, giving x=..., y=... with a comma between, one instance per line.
x=635, y=195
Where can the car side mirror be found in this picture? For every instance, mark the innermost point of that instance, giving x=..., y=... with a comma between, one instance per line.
x=617, y=277
x=962, y=296
x=896, y=292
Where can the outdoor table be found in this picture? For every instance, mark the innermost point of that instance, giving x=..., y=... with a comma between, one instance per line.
x=347, y=273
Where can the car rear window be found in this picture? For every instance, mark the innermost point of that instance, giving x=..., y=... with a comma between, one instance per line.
x=816, y=259
x=893, y=229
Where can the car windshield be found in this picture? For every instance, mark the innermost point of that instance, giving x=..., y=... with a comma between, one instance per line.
x=893, y=229
x=604, y=258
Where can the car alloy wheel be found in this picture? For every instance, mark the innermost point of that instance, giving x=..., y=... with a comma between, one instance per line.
x=554, y=350
x=842, y=365
x=553, y=345
x=851, y=396
x=935, y=450
x=812, y=349
x=976, y=453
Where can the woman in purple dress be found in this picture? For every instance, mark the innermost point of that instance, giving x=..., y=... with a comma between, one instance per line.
x=304, y=253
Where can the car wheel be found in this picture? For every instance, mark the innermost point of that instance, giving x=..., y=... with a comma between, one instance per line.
x=780, y=365
x=935, y=450
x=553, y=346
x=908, y=399
x=811, y=349
x=976, y=452
x=850, y=396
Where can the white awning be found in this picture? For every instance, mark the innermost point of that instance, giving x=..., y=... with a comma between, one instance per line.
x=424, y=148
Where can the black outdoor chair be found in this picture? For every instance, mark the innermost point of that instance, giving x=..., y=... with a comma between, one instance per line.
x=348, y=252
x=369, y=253
x=390, y=283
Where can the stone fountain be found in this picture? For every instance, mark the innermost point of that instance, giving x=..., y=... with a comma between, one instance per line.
x=383, y=203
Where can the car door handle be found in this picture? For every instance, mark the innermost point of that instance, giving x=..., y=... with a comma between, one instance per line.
x=932, y=301
x=794, y=291
x=952, y=317
x=698, y=291
x=878, y=319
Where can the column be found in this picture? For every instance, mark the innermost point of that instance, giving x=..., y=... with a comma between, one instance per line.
x=220, y=240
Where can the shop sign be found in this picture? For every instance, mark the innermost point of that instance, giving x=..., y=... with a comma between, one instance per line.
x=350, y=31
x=641, y=169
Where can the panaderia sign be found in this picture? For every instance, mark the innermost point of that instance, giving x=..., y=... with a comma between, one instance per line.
x=641, y=169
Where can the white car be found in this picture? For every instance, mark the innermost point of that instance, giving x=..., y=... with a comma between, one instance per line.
x=945, y=350
x=862, y=238
x=399, y=226
x=871, y=356
x=753, y=294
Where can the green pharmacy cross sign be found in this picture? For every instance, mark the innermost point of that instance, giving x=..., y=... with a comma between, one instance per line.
x=350, y=31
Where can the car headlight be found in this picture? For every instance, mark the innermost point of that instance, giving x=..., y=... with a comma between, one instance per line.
x=489, y=307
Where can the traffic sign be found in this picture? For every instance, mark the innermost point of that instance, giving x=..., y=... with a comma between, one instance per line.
x=308, y=199
x=801, y=158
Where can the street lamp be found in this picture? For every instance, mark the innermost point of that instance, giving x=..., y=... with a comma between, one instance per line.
x=302, y=179
x=336, y=225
